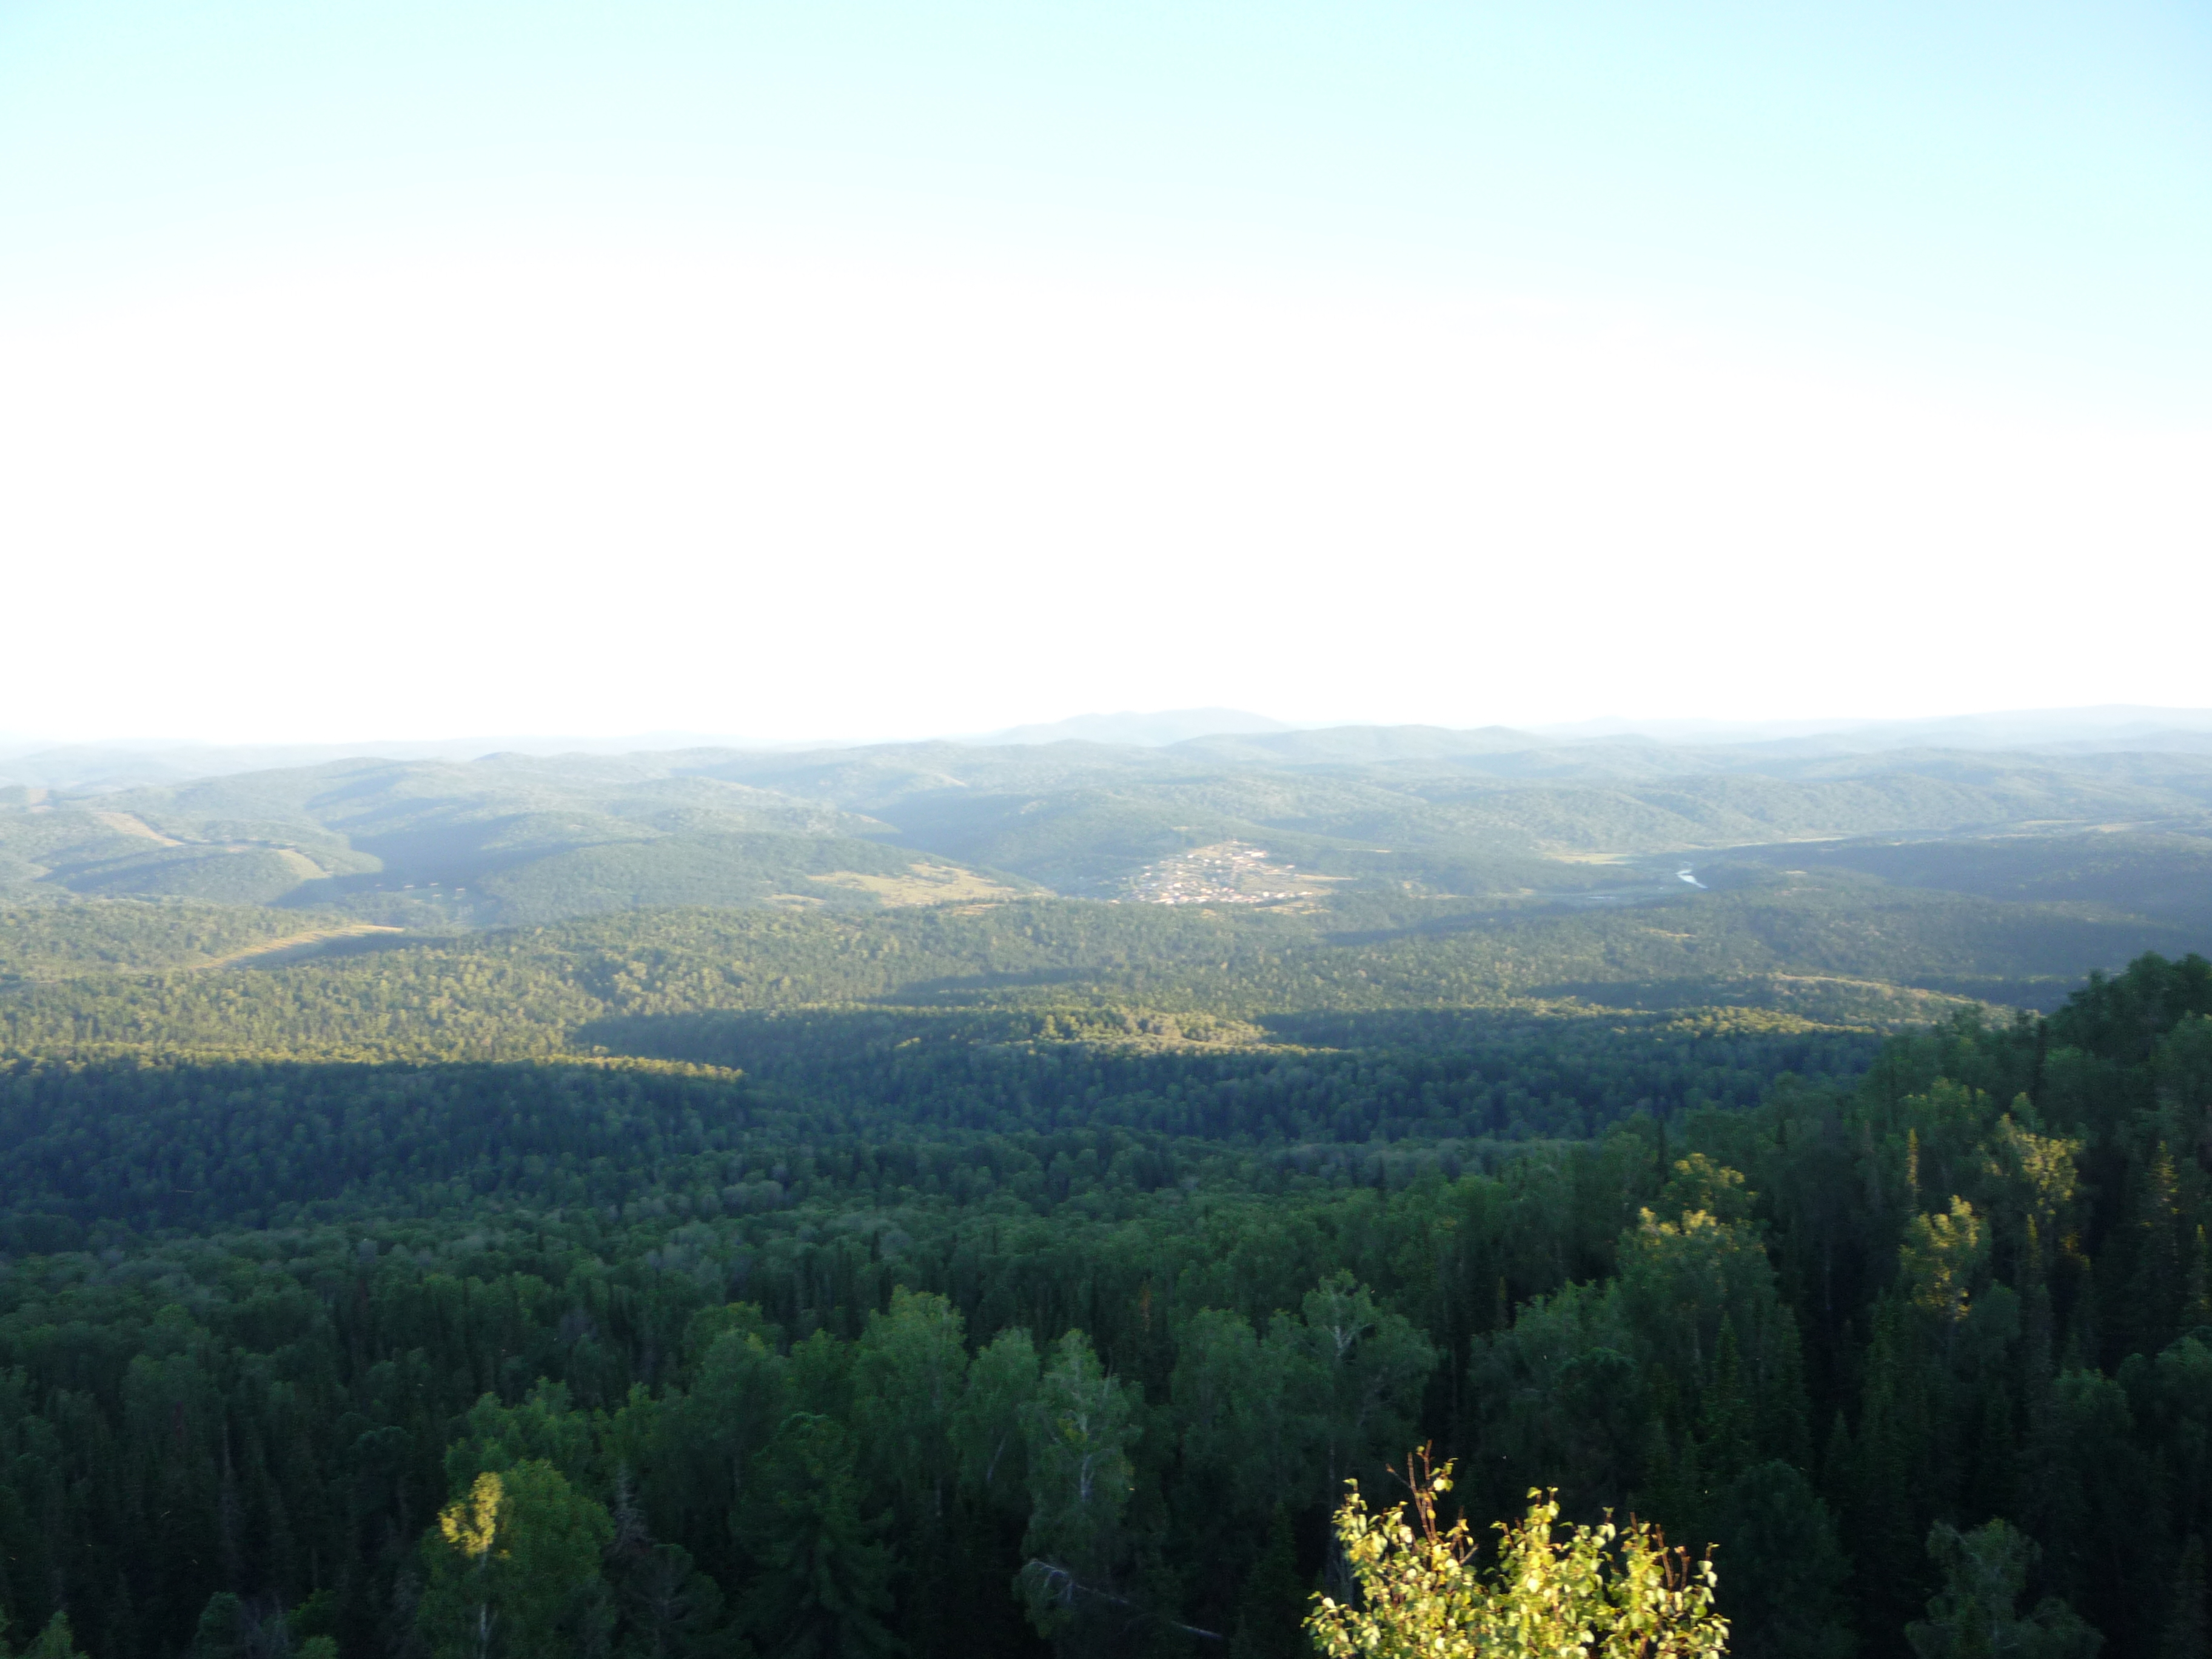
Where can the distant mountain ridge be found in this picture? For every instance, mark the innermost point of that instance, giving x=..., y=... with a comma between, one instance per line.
x=2105, y=726
x=1153, y=731
x=1231, y=736
x=129, y=763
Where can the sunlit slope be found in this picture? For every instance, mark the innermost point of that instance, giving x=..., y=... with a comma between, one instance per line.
x=56, y=941
x=1833, y=948
x=501, y=841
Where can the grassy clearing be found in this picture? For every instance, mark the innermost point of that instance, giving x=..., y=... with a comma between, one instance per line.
x=922, y=884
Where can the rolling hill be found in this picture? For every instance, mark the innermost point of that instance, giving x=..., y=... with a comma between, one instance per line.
x=1634, y=871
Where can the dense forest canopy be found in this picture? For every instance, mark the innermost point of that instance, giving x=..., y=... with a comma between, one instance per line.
x=803, y=1355
x=947, y=1265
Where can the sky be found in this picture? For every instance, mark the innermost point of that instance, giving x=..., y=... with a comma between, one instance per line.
x=844, y=370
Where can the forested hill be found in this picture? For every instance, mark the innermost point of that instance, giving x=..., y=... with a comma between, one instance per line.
x=1628, y=873
x=1037, y=1332
x=1835, y=949
x=1470, y=815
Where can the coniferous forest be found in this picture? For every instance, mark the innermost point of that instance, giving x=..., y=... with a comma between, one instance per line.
x=1023, y=1275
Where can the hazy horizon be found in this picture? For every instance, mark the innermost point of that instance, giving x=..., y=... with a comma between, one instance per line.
x=2088, y=717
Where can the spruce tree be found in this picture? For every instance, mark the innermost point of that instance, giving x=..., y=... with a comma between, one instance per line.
x=1271, y=1611
x=54, y=1642
x=2156, y=1288
x=2185, y=1634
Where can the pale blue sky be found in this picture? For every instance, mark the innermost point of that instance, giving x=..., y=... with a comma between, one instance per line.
x=2004, y=209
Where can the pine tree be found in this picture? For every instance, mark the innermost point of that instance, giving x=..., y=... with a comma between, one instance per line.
x=1725, y=1428
x=54, y=1642
x=2185, y=1633
x=1991, y=1484
x=221, y=1633
x=1271, y=1611
x=2155, y=1288
x=2196, y=1297
x=1897, y=1451
x=825, y=1587
x=1839, y=1470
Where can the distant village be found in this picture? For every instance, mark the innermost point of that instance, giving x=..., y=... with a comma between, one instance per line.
x=1227, y=872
